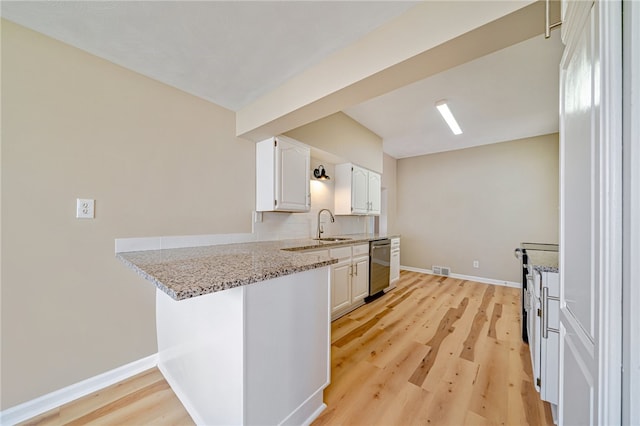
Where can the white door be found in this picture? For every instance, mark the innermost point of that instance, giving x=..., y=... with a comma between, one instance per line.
x=292, y=176
x=360, y=279
x=394, y=271
x=340, y=285
x=533, y=326
x=374, y=189
x=549, y=337
x=359, y=190
x=590, y=214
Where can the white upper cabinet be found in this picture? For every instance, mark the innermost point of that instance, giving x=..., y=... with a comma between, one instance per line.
x=282, y=175
x=374, y=191
x=357, y=190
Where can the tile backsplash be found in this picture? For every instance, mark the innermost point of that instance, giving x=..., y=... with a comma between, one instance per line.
x=277, y=226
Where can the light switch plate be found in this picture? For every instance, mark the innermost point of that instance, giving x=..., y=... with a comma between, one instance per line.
x=85, y=208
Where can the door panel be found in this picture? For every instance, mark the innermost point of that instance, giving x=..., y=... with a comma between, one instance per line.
x=591, y=214
x=374, y=188
x=293, y=176
x=549, y=366
x=359, y=190
x=577, y=401
x=340, y=286
x=360, y=283
x=579, y=145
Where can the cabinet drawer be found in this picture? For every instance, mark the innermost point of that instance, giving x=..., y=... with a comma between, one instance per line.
x=340, y=252
x=361, y=249
x=395, y=243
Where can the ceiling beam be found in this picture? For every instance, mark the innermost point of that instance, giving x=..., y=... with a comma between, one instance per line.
x=430, y=38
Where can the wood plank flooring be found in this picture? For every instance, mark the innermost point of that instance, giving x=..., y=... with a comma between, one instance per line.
x=145, y=399
x=433, y=351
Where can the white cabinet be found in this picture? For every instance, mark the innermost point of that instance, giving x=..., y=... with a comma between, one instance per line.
x=394, y=273
x=359, y=279
x=544, y=319
x=340, y=286
x=349, y=278
x=282, y=175
x=374, y=192
x=357, y=190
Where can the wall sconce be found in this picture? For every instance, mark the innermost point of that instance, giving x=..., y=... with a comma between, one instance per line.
x=320, y=173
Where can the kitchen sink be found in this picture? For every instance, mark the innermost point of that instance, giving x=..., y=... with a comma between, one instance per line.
x=333, y=239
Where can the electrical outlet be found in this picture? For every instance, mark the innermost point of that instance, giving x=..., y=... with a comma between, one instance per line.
x=476, y=264
x=85, y=208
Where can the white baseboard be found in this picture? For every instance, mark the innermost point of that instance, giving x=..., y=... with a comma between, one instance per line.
x=44, y=403
x=466, y=277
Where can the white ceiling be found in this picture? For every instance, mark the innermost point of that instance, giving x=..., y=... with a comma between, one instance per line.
x=228, y=52
x=233, y=52
x=507, y=95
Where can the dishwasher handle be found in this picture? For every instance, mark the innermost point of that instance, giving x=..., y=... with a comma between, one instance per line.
x=375, y=246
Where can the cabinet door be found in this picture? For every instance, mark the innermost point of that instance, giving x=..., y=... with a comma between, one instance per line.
x=292, y=176
x=340, y=286
x=359, y=190
x=533, y=332
x=360, y=279
x=394, y=273
x=374, y=188
x=549, y=367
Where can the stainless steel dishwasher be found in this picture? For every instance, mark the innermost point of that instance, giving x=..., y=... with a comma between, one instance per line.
x=379, y=267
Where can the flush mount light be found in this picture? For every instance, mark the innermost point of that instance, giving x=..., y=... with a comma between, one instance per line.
x=448, y=117
x=320, y=173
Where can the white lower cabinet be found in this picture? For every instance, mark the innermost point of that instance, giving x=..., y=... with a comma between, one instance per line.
x=340, y=286
x=349, y=277
x=394, y=269
x=360, y=279
x=544, y=328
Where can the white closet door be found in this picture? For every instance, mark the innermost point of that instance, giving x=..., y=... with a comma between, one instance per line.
x=590, y=216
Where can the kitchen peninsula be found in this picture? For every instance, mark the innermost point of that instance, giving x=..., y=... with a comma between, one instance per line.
x=243, y=329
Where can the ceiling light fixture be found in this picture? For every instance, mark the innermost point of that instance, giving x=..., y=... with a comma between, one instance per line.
x=448, y=117
x=320, y=173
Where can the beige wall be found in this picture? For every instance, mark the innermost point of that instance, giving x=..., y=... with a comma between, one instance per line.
x=344, y=137
x=157, y=161
x=478, y=204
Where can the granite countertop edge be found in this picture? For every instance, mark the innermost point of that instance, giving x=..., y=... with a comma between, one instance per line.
x=183, y=273
x=545, y=268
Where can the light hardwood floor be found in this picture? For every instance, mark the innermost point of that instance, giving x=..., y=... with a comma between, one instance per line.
x=434, y=351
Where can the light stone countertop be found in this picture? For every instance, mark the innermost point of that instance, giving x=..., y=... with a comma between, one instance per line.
x=543, y=261
x=183, y=273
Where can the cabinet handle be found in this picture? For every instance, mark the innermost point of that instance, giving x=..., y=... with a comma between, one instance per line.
x=351, y=270
x=356, y=270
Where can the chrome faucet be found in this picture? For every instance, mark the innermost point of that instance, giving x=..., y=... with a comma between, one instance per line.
x=320, y=230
